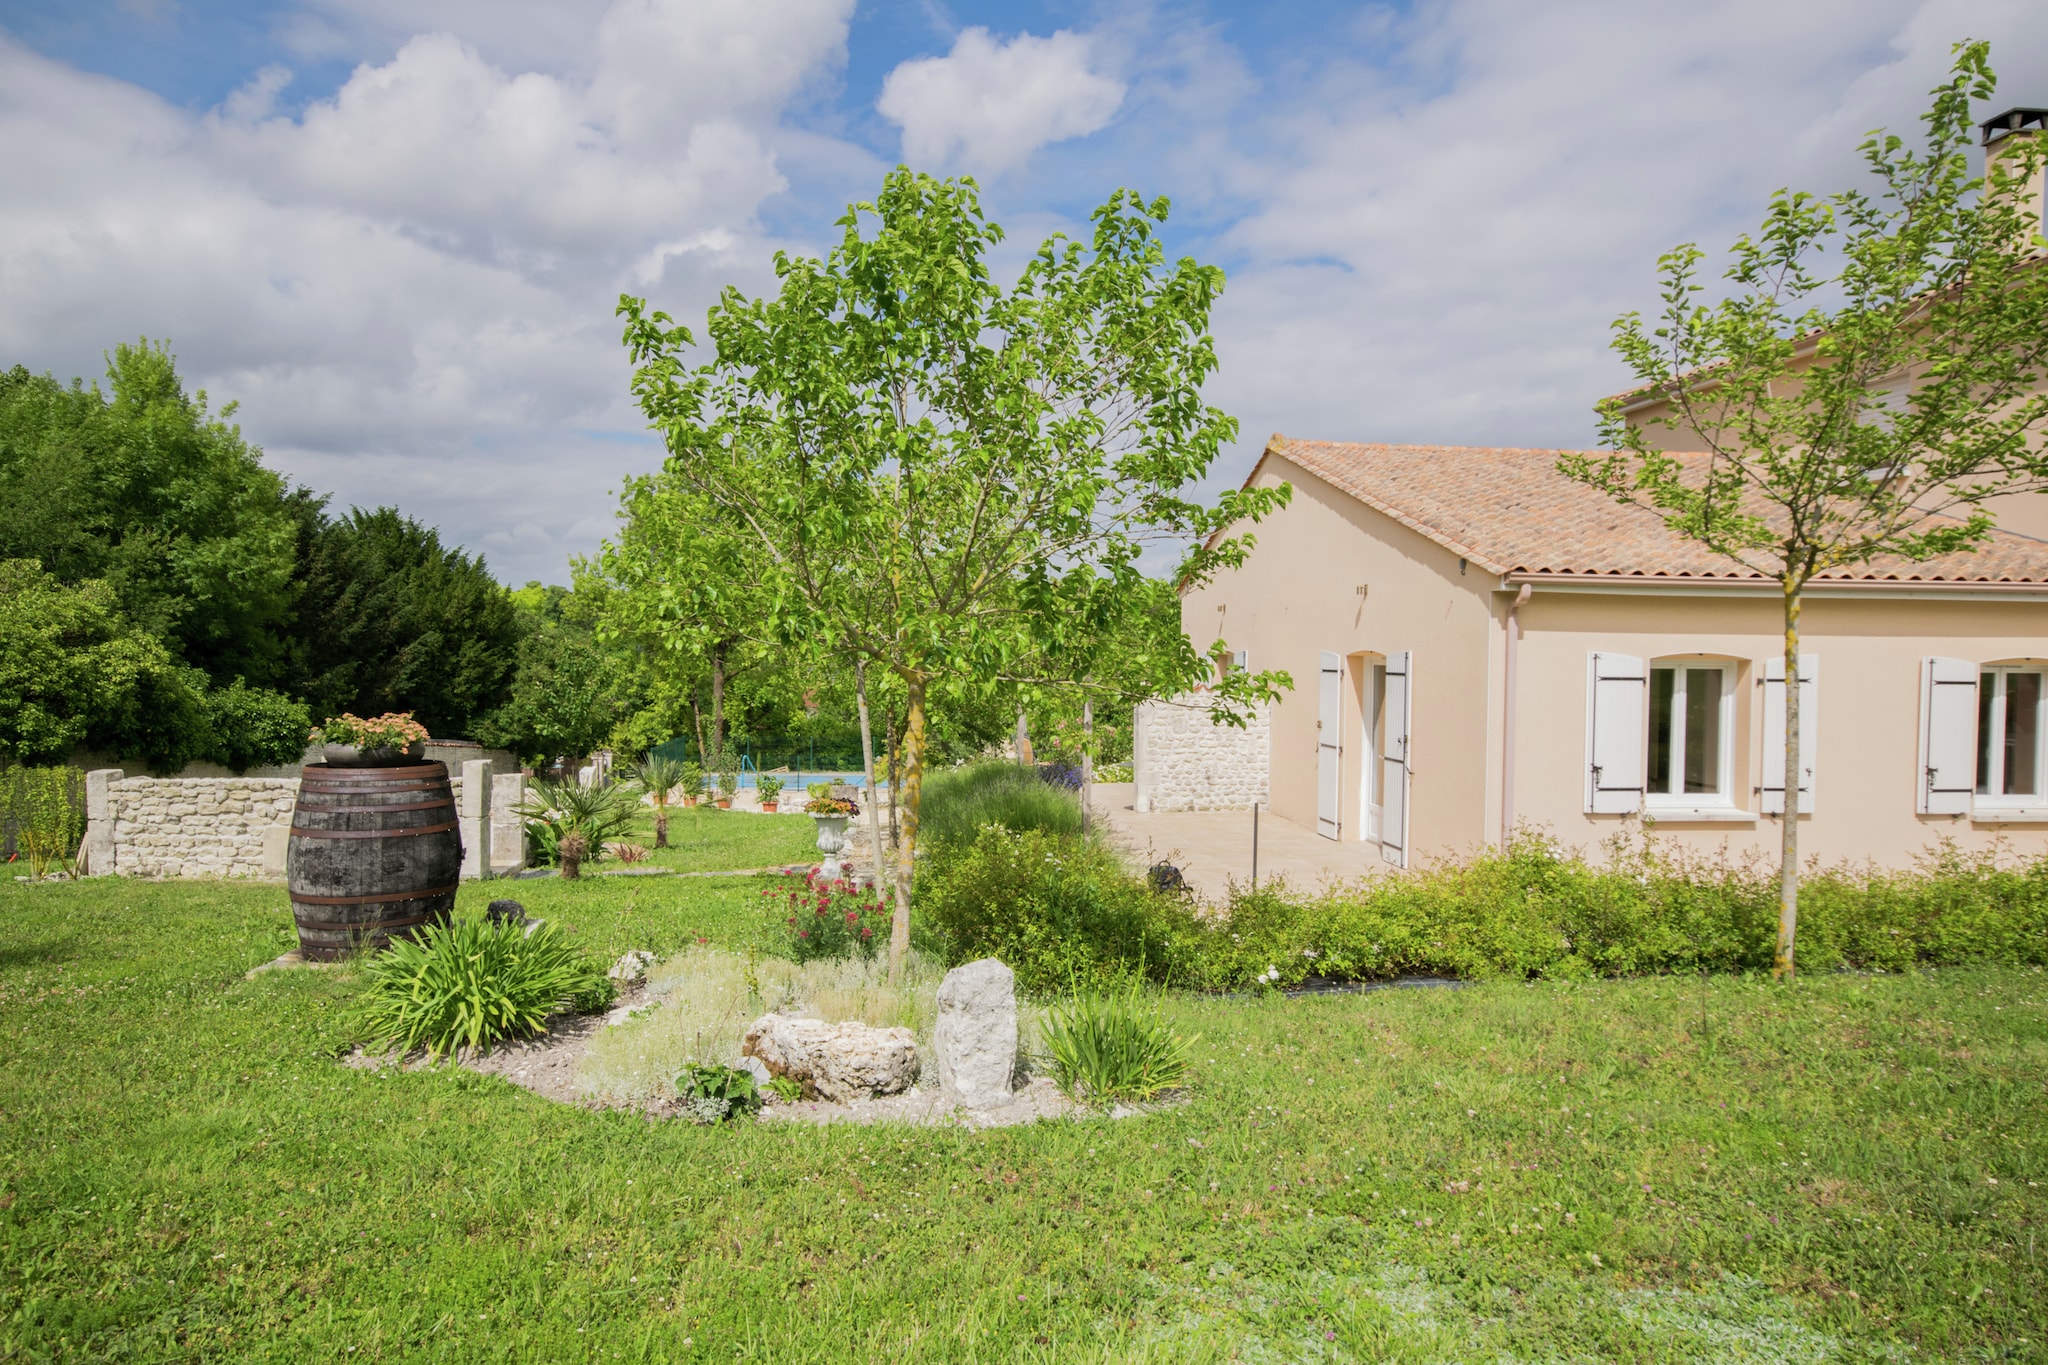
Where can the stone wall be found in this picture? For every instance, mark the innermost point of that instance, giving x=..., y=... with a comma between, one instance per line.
x=238, y=826
x=1180, y=760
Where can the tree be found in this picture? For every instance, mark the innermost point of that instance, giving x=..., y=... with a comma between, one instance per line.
x=392, y=620
x=143, y=488
x=566, y=697
x=947, y=478
x=687, y=588
x=75, y=673
x=1812, y=462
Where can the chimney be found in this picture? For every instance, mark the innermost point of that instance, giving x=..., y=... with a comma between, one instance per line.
x=2008, y=136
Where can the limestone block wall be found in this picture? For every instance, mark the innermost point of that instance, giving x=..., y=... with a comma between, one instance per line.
x=1180, y=760
x=238, y=826
x=196, y=826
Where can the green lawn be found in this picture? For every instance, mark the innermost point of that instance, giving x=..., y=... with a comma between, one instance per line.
x=704, y=838
x=1648, y=1170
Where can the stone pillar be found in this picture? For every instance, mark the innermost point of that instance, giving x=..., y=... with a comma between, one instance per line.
x=96, y=854
x=277, y=840
x=1141, y=758
x=508, y=831
x=473, y=819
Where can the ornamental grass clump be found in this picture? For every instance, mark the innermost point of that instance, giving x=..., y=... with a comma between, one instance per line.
x=1114, y=1046
x=44, y=808
x=469, y=983
x=958, y=804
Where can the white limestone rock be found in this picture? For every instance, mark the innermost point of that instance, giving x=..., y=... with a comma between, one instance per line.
x=631, y=968
x=836, y=1062
x=976, y=1034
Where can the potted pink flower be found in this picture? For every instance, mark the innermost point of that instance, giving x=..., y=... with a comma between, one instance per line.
x=391, y=740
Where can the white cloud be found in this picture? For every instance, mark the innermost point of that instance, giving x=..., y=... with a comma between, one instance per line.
x=1438, y=243
x=988, y=105
x=410, y=286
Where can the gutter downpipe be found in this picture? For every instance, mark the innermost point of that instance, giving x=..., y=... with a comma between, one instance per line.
x=1507, y=763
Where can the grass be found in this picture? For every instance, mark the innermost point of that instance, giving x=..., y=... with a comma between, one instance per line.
x=706, y=839
x=1648, y=1170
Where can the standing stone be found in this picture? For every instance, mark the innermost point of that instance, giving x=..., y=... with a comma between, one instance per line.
x=976, y=1034
x=837, y=1062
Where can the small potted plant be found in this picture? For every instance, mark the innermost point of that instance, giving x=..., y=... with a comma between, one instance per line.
x=692, y=783
x=391, y=740
x=728, y=787
x=771, y=792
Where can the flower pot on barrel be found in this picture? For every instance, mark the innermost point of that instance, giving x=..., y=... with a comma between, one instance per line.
x=374, y=852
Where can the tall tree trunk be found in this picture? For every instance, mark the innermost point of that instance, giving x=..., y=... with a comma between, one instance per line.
x=906, y=847
x=717, y=761
x=1788, y=854
x=895, y=776
x=867, y=758
x=1087, y=759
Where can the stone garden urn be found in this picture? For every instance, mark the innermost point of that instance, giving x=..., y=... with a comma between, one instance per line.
x=831, y=839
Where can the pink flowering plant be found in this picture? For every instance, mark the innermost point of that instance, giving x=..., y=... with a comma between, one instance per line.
x=830, y=918
x=392, y=730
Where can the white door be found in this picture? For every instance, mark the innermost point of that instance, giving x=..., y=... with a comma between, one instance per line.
x=1329, y=746
x=1395, y=769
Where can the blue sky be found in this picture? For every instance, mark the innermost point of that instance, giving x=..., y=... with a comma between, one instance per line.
x=395, y=229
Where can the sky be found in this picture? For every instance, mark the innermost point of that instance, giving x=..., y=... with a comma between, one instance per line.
x=395, y=231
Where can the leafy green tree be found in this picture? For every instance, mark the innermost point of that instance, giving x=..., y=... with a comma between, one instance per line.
x=143, y=488
x=74, y=673
x=390, y=619
x=1813, y=461
x=688, y=594
x=567, y=695
x=951, y=479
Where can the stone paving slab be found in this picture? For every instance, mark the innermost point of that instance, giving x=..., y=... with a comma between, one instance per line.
x=1213, y=848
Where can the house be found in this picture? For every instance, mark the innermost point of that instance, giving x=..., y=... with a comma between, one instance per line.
x=1477, y=641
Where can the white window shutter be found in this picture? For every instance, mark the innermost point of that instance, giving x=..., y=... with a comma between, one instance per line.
x=1395, y=769
x=1617, y=697
x=1948, y=736
x=1774, y=732
x=1329, y=744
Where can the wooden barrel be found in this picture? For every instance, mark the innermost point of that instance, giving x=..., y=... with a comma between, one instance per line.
x=374, y=852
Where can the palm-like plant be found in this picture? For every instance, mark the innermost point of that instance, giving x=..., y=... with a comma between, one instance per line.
x=662, y=777
x=593, y=816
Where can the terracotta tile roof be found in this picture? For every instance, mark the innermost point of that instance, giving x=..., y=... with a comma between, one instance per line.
x=1510, y=511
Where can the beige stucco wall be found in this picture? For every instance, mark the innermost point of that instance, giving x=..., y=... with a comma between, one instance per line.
x=1868, y=704
x=1296, y=596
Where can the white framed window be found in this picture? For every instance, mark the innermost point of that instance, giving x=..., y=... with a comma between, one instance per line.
x=2010, y=735
x=1688, y=753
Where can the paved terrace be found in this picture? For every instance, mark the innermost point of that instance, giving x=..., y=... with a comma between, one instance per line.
x=1211, y=848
